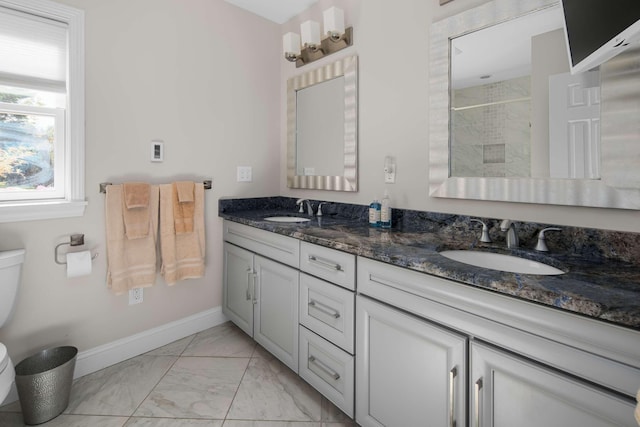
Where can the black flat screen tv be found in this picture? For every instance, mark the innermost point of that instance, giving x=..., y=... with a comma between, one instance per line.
x=597, y=30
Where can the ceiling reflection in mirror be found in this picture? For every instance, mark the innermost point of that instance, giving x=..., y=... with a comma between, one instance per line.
x=515, y=109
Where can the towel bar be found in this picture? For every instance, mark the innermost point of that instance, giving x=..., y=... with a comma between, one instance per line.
x=207, y=185
x=75, y=240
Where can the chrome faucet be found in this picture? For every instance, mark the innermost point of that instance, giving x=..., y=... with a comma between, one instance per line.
x=320, y=207
x=512, y=237
x=484, y=238
x=542, y=243
x=300, y=202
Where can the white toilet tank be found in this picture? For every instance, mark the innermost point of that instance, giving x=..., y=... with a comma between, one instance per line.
x=10, y=267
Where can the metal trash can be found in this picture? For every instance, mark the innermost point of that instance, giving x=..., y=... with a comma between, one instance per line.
x=44, y=383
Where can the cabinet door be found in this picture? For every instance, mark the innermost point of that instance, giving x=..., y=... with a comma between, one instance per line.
x=237, y=287
x=276, y=311
x=408, y=372
x=507, y=391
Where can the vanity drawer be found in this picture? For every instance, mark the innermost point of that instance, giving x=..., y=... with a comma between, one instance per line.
x=328, y=369
x=275, y=246
x=328, y=310
x=328, y=264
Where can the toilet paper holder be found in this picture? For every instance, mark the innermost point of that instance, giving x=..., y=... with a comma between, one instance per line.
x=75, y=240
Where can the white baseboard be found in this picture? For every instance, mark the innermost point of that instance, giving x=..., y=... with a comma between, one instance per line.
x=97, y=358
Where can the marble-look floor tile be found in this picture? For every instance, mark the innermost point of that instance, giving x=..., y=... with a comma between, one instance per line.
x=226, y=340
x=196, y=387
x=270, y=391
x=331, y=413
x=172, y=422
x=332, y=424
x=15, y=420
x=11, y=407
x=262, y=353
x=172, y=349
x=118, y=389
x=244, y=423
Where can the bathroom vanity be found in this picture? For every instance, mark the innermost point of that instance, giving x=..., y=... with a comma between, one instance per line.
x=433, y=341
x=302, y=311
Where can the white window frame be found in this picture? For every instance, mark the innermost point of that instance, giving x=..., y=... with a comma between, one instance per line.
x=73, y=203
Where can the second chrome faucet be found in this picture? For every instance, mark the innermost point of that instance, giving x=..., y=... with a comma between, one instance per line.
x=512, y=237
x=300, y=202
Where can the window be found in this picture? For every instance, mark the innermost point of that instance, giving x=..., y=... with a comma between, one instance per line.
x=41, y=110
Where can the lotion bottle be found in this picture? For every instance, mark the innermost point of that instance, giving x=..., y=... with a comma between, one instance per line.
x=385, y=211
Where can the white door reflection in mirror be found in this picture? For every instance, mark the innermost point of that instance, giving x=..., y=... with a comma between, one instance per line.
x=574, y=125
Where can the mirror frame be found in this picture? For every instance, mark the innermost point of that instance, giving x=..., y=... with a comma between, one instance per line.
x=574, y=192
x=347, y=68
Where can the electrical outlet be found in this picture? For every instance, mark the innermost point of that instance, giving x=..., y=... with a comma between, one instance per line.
x=244, y=174
x=135, y=296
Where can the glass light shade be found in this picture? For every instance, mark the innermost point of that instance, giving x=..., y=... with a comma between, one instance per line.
x=291, y=43
x=310, y=33
x=333, y=21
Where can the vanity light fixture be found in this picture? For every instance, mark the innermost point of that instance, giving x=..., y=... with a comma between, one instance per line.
x=310, y=31
x=311, y=46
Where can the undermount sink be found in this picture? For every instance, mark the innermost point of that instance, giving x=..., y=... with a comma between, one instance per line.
x=500, y=262
x=286, y=219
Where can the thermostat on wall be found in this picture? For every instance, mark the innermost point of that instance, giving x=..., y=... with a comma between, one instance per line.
x=157, y=151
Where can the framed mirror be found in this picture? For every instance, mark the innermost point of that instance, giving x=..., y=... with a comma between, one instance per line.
x=501, y=121
x=322, y=127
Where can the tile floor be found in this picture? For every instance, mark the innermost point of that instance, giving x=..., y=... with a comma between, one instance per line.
x=219, y=377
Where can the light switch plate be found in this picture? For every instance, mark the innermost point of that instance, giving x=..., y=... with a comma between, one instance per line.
x=157, y=151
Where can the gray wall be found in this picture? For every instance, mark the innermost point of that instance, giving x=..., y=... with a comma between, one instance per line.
x=198, y=74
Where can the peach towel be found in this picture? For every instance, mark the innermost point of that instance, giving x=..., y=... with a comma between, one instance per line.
x=182, y=253
x=131, y=262
x=183, y=206
x=136, y=194
x=185, y=191
x=135, y=209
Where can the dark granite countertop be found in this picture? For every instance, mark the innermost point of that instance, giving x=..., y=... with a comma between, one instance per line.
x=601, y=281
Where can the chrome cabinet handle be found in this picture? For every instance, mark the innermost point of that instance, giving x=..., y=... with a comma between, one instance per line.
x=255, y=293
x=249, y=274
x=477, y=387
x=453, y=373
x=325, y=263
x=324, y=368
x=324, y=309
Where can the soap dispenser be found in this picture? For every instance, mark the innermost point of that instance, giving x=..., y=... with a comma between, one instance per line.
x=374, y=213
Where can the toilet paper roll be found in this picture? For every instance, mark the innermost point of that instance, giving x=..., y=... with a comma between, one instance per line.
x=78, y=264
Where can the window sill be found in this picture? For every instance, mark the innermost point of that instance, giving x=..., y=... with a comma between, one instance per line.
x=34, y=210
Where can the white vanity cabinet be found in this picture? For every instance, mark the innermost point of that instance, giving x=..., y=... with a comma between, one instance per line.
x=260, y=295
x=327, y=324
x=409, y=372
x=529, y=365
x=508, y=390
